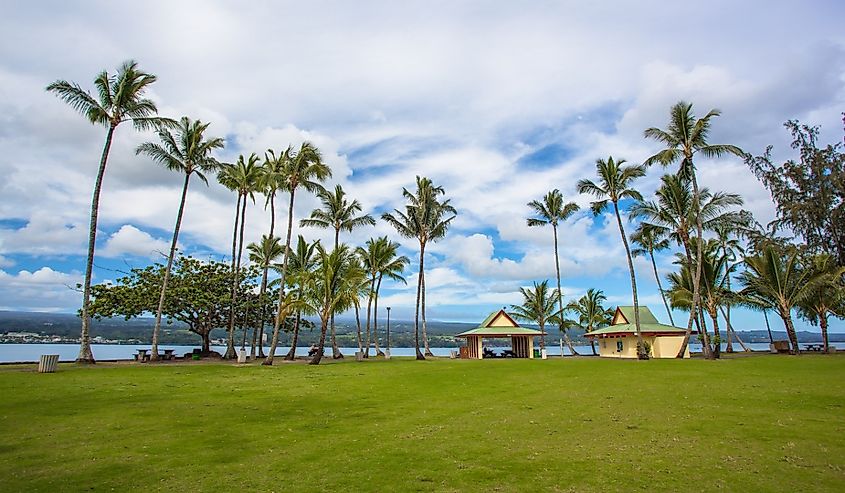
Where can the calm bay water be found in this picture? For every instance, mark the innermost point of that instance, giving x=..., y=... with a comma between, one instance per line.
x=68, y=352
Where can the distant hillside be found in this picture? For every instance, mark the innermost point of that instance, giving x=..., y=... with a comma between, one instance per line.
x=401, y=332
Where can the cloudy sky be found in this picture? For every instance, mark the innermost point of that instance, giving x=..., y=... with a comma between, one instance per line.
x=498, y=102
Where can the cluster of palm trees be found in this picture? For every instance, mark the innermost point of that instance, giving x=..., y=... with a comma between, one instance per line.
x=312, y=280
x=708, y=229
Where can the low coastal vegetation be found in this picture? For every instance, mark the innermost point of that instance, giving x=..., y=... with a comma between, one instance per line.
x=748, y=423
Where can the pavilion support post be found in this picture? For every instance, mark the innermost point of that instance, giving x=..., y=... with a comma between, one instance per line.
x=530, y=347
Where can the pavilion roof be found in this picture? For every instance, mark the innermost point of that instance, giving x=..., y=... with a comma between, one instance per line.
x=499, y=324
x=623, y=323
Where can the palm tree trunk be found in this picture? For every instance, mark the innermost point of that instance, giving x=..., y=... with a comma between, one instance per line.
x=264, y=276
x=559, y=303
x=230, y=343
x=291, y=355
x=768, y=327
x=260, y=325
x=336, y=354
x=660, y=287
x=358, y=324
x=369, y=308
x=419, y=355
x=379, y=352
x=693, y=317
x=324, y=321
x=823, y=324
x=157, y=325
x=640, y=348
x=729, y=347
x=790, y=330
x=717, y=343
x=696, y=282
x=424, y=333
x=85, y=355
x=230, y=349
x=732, y=331
x=277, y=322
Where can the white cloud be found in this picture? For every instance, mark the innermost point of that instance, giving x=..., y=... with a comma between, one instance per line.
x=44, y=289
x=129, y=240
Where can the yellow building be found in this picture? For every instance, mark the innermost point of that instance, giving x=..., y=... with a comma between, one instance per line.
x=619, y=339
x=499, y=325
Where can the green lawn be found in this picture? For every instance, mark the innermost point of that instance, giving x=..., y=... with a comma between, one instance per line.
x=762, y=423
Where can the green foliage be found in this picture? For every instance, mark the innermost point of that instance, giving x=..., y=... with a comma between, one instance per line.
x=809, y=193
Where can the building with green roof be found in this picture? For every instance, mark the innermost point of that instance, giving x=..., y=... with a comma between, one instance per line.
x=499, y=325
x=619, y=339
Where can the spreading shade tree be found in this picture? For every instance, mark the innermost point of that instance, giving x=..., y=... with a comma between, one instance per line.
x=339, y=214
x=302, y=168
x=684, y=139
x=615, y=184
x=427, y=219
x=120, y=98
x=187, y=152
x=552, y=210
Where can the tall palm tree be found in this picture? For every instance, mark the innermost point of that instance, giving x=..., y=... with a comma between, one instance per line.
x=243, y=178
x=120, y=98
x=591, y=312
x=675, y=212
x=647, y=240
x=425, y=218
x=539, y=304
x=614, y=184
x=339, y=214
x=684, y=138
x=332, y=287
x=264, y=254
x=714, y=274
x=379, y=258
x=827, y=297
x=729, y=246
x=187, y=152
x=303, y=168
x=302, y=263
x=552, y=210
x=779, y=281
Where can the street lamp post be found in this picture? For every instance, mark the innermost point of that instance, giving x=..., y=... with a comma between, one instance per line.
x=388, y=328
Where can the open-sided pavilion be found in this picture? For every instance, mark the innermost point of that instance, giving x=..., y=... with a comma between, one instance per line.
x=500, y=325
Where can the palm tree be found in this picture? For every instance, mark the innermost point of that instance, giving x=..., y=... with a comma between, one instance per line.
x=302, y=263
x=264, y=254
x=120, y=98
x=539, y=304
x=379, y=258
x=188, y=152
x=675, y=212
x=591, y=313
x=615, y=185
x=303, y=168
x=424, y=219
x=714, y=273
x=332, y=287
x=340, y=214
x=647, y=240
x=779, y=281
x=730, y=246
x=243, y=178
x=685, y=137
x=552, y=210
x=827, y=297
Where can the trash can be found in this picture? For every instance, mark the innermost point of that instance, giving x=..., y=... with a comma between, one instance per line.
x=536, y=353
x=543, y=354
x=242, y=356
x=359, y=356
x=453, y=354
x=48, y=363
x=387, y=354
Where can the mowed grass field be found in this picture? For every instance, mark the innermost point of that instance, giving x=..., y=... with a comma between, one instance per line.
x=760, y=423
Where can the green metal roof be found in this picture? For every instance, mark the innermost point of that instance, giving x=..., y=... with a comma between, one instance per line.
x=484, y=330
x=632, y=329
x=648, y=324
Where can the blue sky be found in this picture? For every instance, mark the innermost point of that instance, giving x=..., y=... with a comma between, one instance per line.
x=498, y=102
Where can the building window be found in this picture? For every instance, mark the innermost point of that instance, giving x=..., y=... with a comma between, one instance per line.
x=619, y=346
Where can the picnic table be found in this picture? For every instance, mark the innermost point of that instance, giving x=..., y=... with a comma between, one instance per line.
x=168, y=354
x=142, y=355
x=813, y=347
x=508, y=353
